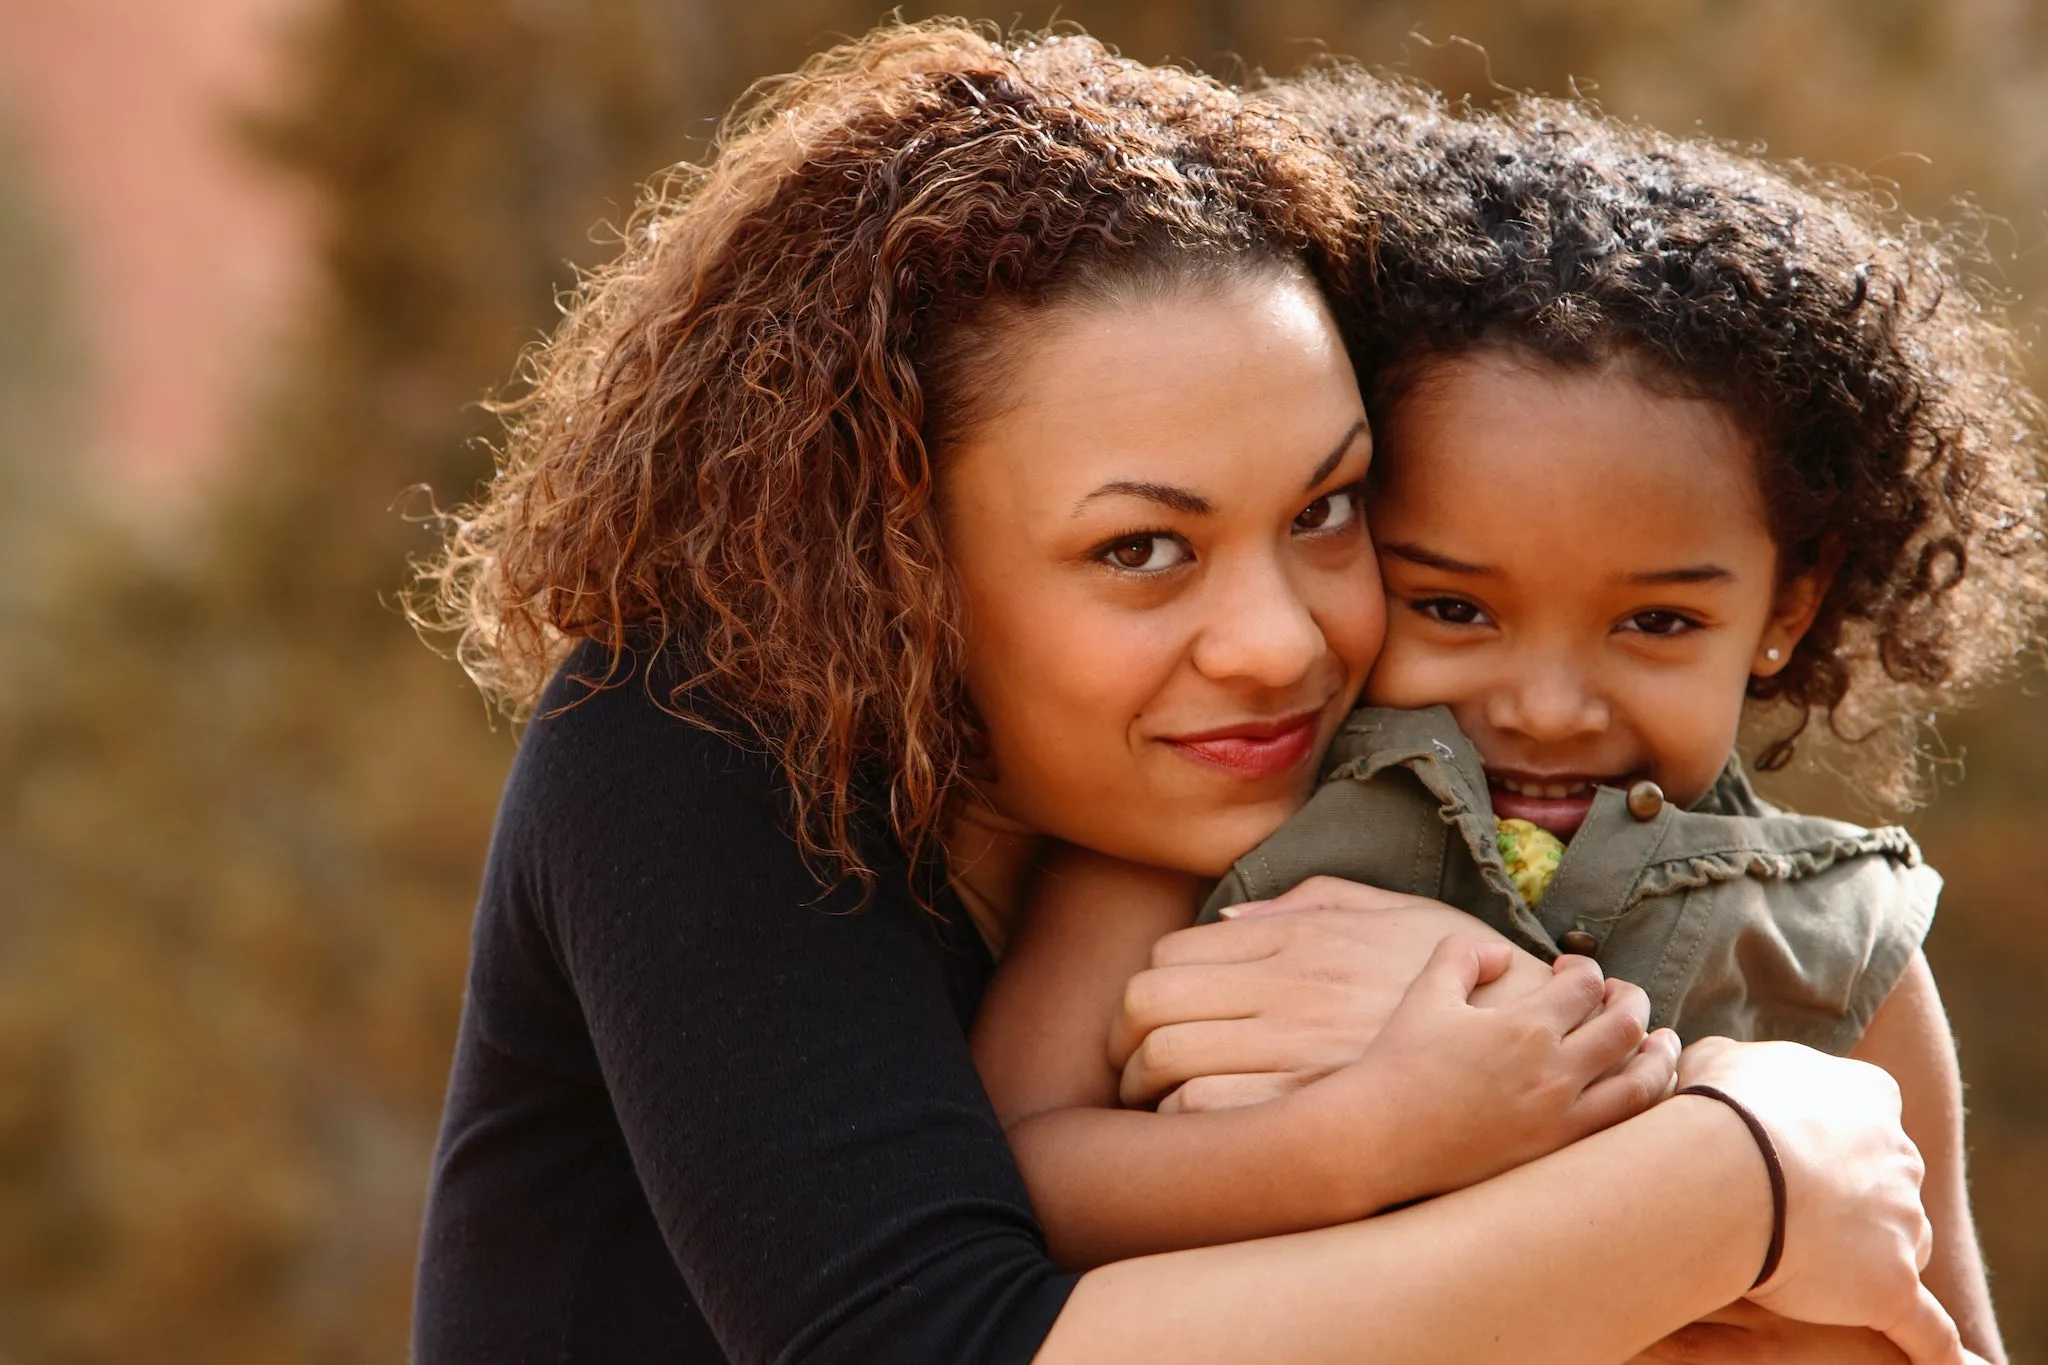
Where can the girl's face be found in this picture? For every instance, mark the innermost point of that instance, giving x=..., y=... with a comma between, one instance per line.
x=1160, y=540
x=1581, y=569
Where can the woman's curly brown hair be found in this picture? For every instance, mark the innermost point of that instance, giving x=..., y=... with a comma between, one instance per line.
x=727, y=449
x=1887, y=401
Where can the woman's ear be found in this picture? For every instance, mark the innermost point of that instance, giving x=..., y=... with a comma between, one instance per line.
x=1797, y=603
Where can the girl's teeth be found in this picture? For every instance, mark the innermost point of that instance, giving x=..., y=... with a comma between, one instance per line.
x=1550, y=791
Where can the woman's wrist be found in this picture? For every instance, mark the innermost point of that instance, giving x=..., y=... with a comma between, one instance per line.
x=1774, y=1170
x=1756, y=1195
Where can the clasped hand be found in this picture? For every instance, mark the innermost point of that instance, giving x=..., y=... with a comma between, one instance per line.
x=1491, y=1057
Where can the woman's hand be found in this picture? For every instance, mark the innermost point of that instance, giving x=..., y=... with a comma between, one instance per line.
x=1744, y=1332
x=1856, y=1236
x=1290, y=990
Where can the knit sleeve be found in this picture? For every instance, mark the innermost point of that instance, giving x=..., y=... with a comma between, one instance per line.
x=787, y=1065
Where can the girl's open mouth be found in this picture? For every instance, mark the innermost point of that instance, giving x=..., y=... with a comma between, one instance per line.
x=1558, y=803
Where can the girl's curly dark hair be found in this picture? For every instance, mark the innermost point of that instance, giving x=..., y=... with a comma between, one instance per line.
x=728, y=447
x=1887, y=401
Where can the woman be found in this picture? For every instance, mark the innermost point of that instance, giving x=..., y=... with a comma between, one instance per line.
x=712, y=1099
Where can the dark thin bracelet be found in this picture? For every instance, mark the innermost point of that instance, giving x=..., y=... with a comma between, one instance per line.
x=1771, y=1164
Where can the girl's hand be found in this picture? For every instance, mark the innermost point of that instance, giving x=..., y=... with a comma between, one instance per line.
x=1856, y=1237
x=1288, y=991
x=1456, y=1093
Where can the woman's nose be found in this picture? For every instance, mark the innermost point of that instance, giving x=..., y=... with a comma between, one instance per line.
x=1260, y=630
x=1549, y=701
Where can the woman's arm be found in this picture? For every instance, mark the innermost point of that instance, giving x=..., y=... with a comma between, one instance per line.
x=1587, y=1255
x=1909, y=1037
x=701, y=1099
x=1543, y=1264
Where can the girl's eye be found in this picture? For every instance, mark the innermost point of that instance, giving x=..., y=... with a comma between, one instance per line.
x=1330, y=512
x=1660, y=623
x=1451, y=611
x=1146, y=554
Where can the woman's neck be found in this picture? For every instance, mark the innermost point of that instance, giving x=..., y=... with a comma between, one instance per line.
x=990, y=857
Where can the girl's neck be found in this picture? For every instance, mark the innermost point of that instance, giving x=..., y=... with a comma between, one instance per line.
x=990, y=857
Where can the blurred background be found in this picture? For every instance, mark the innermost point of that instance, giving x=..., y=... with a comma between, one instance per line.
x=259, y=259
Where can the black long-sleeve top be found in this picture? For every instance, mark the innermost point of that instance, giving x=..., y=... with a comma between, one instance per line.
x=702, y=1109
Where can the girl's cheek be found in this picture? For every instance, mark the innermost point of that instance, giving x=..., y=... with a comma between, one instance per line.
x=1411, y=672
x=1692, y=729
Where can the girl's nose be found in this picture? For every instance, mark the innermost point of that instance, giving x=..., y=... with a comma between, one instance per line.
x=1548, y=701
x=1259, y=629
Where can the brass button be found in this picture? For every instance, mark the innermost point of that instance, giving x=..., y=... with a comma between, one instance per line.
x=1579, y=941
x=1645, y=799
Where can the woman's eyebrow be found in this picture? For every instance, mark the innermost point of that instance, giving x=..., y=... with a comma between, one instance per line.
x=1193, y=503
x=1335, y=457
x=1166, y=494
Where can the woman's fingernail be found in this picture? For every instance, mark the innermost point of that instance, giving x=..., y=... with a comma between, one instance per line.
x=1228, y=912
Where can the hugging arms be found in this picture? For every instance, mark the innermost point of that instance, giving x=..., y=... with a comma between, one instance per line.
x=1296, y=993
x=806, y=1168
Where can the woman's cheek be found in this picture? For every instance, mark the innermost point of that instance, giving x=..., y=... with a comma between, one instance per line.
x=1064, y=707
x=1357, y=633
x=1350, y=608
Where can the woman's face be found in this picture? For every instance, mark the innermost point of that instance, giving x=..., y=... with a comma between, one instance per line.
x=1170, y=598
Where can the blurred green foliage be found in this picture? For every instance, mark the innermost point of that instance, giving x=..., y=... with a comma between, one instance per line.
x=242, y=811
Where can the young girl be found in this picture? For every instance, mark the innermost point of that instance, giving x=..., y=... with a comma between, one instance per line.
x=1667, y=441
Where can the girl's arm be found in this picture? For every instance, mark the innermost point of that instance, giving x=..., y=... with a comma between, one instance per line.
x=1041, y=1038
x=1909, y=1037
x=1450, y=1094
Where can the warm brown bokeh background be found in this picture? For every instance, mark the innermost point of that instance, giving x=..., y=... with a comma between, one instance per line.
x=255, y=265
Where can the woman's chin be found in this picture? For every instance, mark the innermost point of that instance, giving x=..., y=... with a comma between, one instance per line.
x=1208, y=847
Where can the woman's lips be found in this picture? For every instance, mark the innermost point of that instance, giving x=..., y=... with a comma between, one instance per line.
x=1257, y=749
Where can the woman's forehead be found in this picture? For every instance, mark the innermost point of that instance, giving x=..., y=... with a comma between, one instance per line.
x=1170, y=388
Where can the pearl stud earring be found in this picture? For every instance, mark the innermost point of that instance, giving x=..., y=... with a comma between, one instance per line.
x=1772, y=654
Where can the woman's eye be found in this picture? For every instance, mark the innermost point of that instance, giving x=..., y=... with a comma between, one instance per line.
x=1146, y=554
x=1330, y=512
x=1660, y=623
x=1451, y=611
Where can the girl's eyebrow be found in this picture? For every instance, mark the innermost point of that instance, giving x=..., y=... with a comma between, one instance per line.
x=1692, y=573
x=1430, y=559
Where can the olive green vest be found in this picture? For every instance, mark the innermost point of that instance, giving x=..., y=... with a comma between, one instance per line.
x=1736, y=918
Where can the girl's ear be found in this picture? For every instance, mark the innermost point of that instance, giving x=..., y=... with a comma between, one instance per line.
x=1792, y=612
